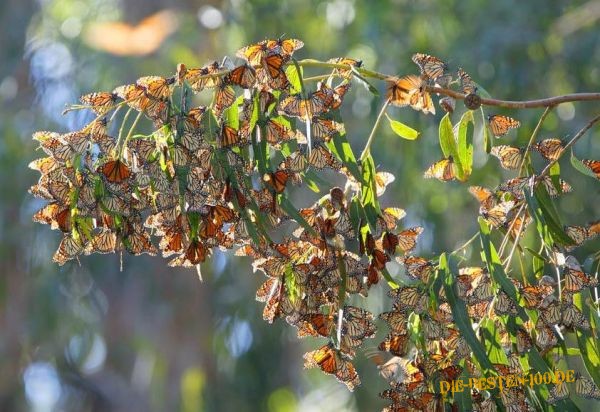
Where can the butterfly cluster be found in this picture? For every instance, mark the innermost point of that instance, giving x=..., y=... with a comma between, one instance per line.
x=219, y=176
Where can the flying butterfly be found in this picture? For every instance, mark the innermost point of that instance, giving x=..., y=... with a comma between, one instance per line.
x=501, y=125
x=510, y=157
x=550, y=149
x=430, y=66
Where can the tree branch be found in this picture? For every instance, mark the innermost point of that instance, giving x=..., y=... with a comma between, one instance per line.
x=569, y=144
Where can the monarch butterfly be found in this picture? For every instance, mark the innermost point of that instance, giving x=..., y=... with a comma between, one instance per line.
x=397, y=321
x=276, y=132
x=483, y=289
x=409, y=90
x=467, y=84
x=332, y=363
x=243, y=76
x=296, y=162
x=346, y=73
x=586, y=387
x=409, y=299
x=277, y=180
x=515, y=187
x=498, y=214
x=524, y=341
x=156, y=87
x=558, y=392
x=103, y=242
x=442, y=170
x=286, y=47
x=484, y=196
x=550, y=312
x=44, y=165
x=550, y=149
x=324, y=129
x=510, y=157
x=500, y=125
x=552, y=189
x=320, y=157
x=593, y=165
x=115, y=171
x=576, y=280
x=56, y=147
x=272, y=72
x=578, y=234
x=316, y=324
x=204, y=77
x=456, y=342
x=317, y=103
x=431, y=67
x=573, y=318
x=545, y=337
x=396, y=344
x=224, y=97
x=54, y=215
x=407, y=239
x=534, y=295
x=505, y=305
x=135, y=96
x=254, y=53
x=100, y=102
x=229, y=137
x=433, y=330
x=358, y=322
x=417, y=267
x=389, y=217
x=68, y=249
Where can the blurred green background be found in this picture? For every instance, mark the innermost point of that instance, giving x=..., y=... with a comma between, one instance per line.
x=151, y=338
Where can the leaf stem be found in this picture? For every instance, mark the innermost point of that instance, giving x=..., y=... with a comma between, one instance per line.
x=533, y=137
x=365, y=151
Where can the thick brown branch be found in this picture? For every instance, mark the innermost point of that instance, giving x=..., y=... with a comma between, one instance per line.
x=525, y=104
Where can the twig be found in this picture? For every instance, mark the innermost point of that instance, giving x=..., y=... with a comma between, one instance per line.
x=510, y=104
x=569, y=144
x=533, y=136
x=365, y=151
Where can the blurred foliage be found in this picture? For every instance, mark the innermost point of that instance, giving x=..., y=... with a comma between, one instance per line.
x=152, y=338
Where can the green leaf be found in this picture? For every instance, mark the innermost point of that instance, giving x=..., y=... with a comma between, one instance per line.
x=340, y=147
x=448, y=145
x=485, y=130
x=369, y=191
x=580, y=167
x=362, y=80
x=545, y=215
x=291, y=71
x=232, y=113
x=402, y=130
x=588, y=344
x=446, y=134
x=465, y=142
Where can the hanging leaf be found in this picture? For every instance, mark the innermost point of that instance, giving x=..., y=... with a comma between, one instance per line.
x=293, y=73
x=465, y=142
x=580, y=167
x=402, y=130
